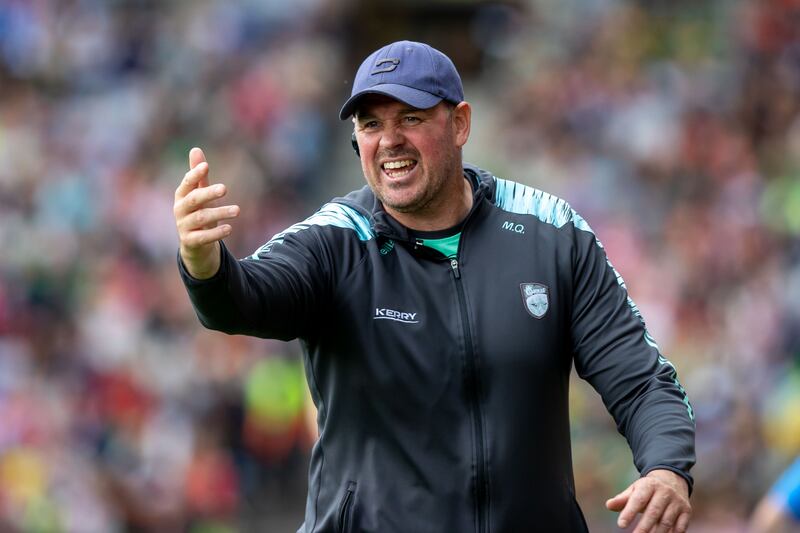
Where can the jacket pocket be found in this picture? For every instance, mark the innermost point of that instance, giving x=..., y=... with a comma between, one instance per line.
x=344, y=520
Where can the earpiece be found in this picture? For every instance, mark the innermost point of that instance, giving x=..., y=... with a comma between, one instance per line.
x=355, y=144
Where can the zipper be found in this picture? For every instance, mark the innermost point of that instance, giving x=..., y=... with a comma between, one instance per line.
x=343, y=523
x=481, y=485
x=457, y=274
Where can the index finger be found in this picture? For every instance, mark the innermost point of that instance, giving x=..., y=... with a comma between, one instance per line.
x=196, y=156
x=192, y=179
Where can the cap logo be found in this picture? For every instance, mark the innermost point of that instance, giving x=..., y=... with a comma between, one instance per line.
x=393, y=62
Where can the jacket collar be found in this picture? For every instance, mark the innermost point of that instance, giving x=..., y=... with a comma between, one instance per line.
x=386, y=226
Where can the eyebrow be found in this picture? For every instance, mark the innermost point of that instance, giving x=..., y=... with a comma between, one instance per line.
x=402, y=111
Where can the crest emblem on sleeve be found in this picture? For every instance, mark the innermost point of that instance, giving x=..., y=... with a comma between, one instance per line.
x=536, y=299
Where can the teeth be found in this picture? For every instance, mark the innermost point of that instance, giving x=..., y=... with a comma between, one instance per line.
x=397, y=164
x=398, y=173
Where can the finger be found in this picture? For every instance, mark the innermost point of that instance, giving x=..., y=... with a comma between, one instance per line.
x=669, y=518
x=208, y=218
x=206, y=236
x=617, y=503
x=196, y=177
x=653, y=512
x=682, y=524
x=637, y=502
x=196, y=156
x=198, y=198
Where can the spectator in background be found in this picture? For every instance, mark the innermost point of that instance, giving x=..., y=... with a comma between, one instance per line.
x=779, y=509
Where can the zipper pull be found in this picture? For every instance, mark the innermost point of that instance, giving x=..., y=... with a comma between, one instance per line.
x=454, y=266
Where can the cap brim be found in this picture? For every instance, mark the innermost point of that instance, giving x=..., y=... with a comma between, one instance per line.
x=407, y=95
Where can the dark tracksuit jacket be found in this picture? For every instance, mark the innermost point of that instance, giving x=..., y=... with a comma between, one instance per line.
x=442, y=385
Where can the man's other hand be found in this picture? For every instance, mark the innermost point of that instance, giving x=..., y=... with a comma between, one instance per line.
x=662, y=498
x=199, y=231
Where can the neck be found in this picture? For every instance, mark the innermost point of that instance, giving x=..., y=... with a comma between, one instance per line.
x=439, y=217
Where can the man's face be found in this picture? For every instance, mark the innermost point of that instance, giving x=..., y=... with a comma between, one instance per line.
x=411, y=157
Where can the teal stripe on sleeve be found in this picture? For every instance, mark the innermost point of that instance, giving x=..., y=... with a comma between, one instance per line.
x=330, y=214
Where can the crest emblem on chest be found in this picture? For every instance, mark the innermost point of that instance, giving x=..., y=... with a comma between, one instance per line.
x=536, y=299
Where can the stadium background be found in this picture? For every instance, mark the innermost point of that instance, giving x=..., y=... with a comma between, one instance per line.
x=672, y=126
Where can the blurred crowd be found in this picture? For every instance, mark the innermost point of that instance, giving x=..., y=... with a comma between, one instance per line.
x=672, y=127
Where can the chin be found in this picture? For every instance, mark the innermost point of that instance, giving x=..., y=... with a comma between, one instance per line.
x=396, y=199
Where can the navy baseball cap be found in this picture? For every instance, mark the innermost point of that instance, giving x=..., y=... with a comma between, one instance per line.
x=414, y=73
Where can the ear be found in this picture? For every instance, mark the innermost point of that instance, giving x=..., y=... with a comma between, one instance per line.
x=462, y=119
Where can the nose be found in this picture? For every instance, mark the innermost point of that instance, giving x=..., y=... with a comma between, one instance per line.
x=391, y=137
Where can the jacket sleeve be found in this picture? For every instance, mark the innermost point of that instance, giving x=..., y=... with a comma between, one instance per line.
x=614, y=352
x=275, y=293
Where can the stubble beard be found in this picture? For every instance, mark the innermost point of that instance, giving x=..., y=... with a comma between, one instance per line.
x=433, y=183
x=429, y=198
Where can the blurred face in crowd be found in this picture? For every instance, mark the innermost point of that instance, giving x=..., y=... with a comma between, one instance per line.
x=411, y=157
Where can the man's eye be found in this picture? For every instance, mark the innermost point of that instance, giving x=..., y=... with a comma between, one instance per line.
x=411, y=119
x=371, y=125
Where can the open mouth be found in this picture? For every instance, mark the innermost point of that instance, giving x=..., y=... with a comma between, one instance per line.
x=398, y=169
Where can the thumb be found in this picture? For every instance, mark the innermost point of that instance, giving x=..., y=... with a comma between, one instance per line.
x=617, y=503
x=196, y=156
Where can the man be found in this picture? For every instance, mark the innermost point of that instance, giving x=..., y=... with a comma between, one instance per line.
x=441, y=309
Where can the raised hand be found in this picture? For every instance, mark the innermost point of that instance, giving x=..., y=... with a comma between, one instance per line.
x=199, y=231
